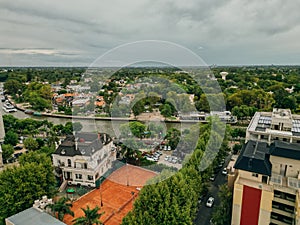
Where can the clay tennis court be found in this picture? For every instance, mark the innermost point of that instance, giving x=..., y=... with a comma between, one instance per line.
x=117, y=196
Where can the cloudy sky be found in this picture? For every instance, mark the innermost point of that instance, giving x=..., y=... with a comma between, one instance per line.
x=76, y=32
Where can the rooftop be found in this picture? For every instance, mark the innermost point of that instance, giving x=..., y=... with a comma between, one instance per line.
x=33, y=216
x=262, y=121
x=255, y=158
x=285, y=150
x=255, y=155
x=84, y=144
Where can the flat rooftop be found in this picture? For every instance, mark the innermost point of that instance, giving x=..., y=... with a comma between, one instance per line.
x=33, y=216
x=262, y=121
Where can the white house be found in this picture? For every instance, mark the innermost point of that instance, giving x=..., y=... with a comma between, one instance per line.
x=84, y=158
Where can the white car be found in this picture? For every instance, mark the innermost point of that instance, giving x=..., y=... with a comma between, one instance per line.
x=224, y=171
x=210, y=202
x=150, y=159
x=167, y=158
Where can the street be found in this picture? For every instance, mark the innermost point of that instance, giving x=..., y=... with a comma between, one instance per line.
x=204, y=213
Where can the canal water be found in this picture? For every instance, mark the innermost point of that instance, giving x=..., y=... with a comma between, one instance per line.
x=104, y=126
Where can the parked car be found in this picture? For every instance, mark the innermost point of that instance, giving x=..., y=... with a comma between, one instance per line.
x=174, y=160
x=210, y=202
x=224, y=171
x=169, y=148
x=213, y=177
x=150, y=159
x=167, y=158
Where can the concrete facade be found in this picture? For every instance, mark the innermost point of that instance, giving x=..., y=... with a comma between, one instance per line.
x=280, y=189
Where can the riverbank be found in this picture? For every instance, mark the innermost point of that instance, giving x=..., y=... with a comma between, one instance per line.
x=130, y=119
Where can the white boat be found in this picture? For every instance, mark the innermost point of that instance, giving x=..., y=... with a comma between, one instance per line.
x=7, y=107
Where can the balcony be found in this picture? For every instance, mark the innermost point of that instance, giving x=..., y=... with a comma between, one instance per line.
x=280, y=219
x=284, y=201
x=277, y=222
x=283, y=213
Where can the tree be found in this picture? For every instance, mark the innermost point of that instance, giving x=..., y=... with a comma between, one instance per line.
x=166, y=110
x=91, y=216
x=138, y=108
x=12, y=86
x=31, y=144
x=222, y=214
x=7, y=151
x=20, y=186
x=173, y=137
x=11, y=138
x=61, y=208
x=137, y=129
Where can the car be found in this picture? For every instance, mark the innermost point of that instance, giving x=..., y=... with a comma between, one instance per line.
x=165, y=148
x=224, y=171
x=167, y=158
x=170, y=159
x=210, y=202
x=174, y=160
x=18, y=147
x=169, y=148
x=155, y=158
x=150, y=159
x=213, y=177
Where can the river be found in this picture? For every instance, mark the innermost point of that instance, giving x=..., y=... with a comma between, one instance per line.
x=104, y=126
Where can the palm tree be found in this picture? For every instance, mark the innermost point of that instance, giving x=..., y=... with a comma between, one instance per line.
x=62, y=207
x=91, y=216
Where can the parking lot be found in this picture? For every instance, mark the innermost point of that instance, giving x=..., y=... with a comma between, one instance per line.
x=165, y=156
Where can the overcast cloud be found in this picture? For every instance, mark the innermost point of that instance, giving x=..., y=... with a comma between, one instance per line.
x=75, y=33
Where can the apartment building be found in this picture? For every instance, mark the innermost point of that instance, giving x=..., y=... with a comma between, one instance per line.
x=267, y=184
x=84, y=158
x=280, y=124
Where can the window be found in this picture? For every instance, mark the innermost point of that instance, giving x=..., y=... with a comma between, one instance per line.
x=69, y=163
x=265, y=179
x=85, y=165
x=90, y=177
x=78, y=176
x=254, y=174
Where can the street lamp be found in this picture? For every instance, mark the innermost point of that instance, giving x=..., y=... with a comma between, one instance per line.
x=101, y=203
x=127, y=173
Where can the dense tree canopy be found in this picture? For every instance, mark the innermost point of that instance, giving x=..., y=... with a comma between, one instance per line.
x=20, y=186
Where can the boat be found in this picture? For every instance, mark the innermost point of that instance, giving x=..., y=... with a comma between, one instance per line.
x=8, y=107
x=27, y=111
x=37, y=113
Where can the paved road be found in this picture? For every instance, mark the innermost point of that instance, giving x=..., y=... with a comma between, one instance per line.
x=204, y=213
